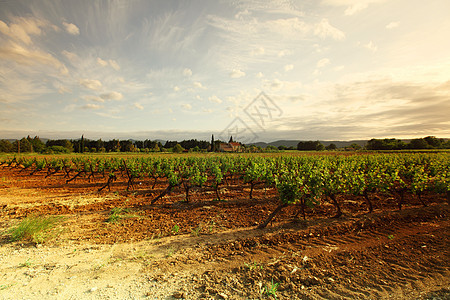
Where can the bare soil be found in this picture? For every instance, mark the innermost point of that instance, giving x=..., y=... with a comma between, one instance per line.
x=209, y=249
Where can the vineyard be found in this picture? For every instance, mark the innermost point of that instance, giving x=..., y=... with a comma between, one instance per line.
x=285, y=200
x=305, y=180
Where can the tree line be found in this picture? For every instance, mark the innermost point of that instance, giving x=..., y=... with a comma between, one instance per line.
x=429, y=142
x=84, y=145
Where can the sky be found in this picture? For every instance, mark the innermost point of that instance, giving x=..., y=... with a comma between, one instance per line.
x=256, y=70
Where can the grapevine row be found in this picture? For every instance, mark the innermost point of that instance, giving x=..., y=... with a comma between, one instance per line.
x=302, y=180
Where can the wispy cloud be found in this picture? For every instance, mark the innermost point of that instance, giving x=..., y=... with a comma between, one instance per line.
x=325, y=30
x=91, y=84
x=288, y=67
x=199, y=85
x=112, y=96
x=215, y=99
x=21, y=29
x=91, y=106
x=392, y=25
x=235, y=73
x=352, y=6
x=370, y=46
x=15, y=52
x=187, y=72
x=71, y=28
x=186, y=106
x=138, y=106
x=323, y=62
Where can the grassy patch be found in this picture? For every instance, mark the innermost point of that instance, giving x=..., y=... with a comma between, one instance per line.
x=36, y=229
x=28, y=263
x=271, y=289
x=175, y=229
x=196, y=231
x=118, y=213
x=5, y=286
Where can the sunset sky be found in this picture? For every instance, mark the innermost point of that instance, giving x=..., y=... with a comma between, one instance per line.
x=174, y=70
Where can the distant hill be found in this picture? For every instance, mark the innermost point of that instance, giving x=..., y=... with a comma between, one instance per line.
x=293, y=143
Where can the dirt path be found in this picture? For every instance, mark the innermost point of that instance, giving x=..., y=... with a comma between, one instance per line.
x=401, y=255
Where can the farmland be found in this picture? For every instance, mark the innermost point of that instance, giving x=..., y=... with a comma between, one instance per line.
x=229, y=226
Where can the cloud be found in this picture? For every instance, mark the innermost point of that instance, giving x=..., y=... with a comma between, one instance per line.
x=73, y=57
x=63, y=90
x=352, y=6
x=283, y=53
x=30, y=57
x=21, y=29
x=392, y=25
x=235, y=73
x=325, y=30
x=276, y=84
x=259, y=75
x=242, y=14
x=176, y=88
x=257, y=51
x=138, y=106
x=91, y=84
x=110, y=62
x=91, y=106
x=371, y=46
x=112, y=96
x=288, y=67
x=114, y=65
x=71, y=28
x=374, y=107
x=111, y=115
x=214, y=99
x=94, y=98
x=323, y=62
x=187, y=72
x=199, y=85
x=353, y=9
x=16, y=88
x=186, y=106
x=102, y=62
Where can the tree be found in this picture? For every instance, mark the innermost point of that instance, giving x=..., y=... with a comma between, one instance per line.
x=271, y=148
x=355, y=146
x=331, y=147
x=385, y=144
x=418, y=144
x=82, y=144
x=99, y=144
x=22, y=146
x=434, y=142
x=6, y=146
x=37, y=145
x=57, y=149
x=177, y=148
x=170, y=144
x=231, y=139
x=63, y=143
x=213, y=145
x=310, y=146
x=127, y=146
